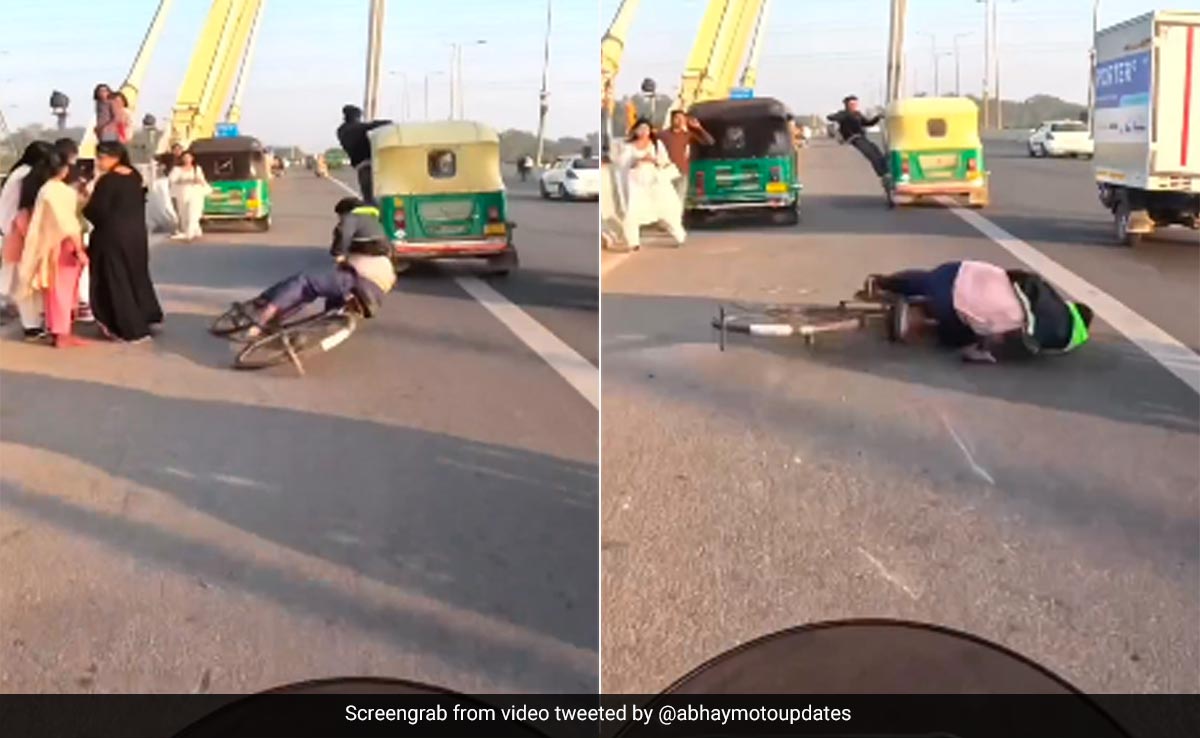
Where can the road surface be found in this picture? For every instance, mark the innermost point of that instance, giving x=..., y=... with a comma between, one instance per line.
x=1052, y=507
x=422, y=505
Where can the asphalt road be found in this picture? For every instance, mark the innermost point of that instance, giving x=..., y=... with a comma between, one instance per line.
x=1052, y=507
x=422, y=505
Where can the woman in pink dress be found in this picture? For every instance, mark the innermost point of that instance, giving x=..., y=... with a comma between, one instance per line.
x=122, y=117
x=53, y=257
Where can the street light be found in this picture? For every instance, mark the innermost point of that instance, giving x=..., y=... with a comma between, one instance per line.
x=544, y=96
x=991, y=65
x=457, y=106
x=957, y=65
x=933, y=52
x=404, y=106
x=427, y=76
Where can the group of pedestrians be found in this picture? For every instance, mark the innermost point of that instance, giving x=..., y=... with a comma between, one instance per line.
x=76, y=249
x=654, y=167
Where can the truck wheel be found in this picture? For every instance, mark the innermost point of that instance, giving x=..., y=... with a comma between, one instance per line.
x=262, y=224
x=1121, y=217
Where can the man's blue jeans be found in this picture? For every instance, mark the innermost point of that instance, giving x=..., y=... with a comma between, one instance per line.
x=331, y=283
x=936, y=286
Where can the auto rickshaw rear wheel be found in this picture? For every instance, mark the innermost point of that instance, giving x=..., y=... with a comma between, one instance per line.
x=788, y=216
x=501, y=264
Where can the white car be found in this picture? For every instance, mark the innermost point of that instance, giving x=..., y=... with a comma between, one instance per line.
x=1062, y=138
x=572, y=178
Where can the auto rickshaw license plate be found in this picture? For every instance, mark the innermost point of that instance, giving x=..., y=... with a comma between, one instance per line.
x=777, y=187
x=939, y=161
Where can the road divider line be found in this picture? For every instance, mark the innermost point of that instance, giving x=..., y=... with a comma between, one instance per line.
x=576, y=370
x=1170, y=353
x=572, y=367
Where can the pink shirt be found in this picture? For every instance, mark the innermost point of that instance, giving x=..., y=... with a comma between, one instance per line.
x=986, y=299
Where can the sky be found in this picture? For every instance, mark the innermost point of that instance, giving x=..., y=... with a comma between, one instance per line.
x=311, y=59
x=815, y=52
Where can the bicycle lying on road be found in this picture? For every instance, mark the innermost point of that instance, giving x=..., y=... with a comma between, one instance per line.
x=869, y=307
x=289, y=337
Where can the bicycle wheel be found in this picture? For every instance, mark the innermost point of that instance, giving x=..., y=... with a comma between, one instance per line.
x=321, y=332
x=231, y=321
x=805, y=321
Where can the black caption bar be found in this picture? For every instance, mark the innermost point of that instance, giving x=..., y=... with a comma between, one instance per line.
x=593, y=716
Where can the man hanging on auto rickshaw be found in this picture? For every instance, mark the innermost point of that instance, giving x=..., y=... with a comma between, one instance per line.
x=985, y=310
x=852, y=127
x=352, y=135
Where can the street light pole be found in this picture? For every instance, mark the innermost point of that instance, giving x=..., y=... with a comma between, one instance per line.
x=462, y=105
x=896, y=57
x=544, y=97
x=957, y=65
x=996, y=61
x=374, y=44
x=988, y=8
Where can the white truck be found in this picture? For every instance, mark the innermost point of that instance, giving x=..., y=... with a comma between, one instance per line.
x=1146, y=118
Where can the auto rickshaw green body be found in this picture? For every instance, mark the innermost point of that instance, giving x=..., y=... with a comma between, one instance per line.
x=237, y=170
x=750, y=166
x=441, y=193
x=934, y=149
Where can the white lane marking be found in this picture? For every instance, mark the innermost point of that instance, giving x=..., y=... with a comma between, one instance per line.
x=563, y=359
x=883, y=571
x=1164, y=348
x=975, y=467
x=572, y=367
x=236, y=481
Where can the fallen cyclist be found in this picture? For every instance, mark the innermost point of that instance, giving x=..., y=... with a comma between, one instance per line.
x=986, y=310
x=362, y=267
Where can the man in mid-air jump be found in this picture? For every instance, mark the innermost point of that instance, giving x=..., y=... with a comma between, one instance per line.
x=852, y=127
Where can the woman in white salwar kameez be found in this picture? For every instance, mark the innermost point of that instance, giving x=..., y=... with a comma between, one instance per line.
x=650, y=196
x=188, y=189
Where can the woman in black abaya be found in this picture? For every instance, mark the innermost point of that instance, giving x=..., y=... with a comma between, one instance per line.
x=122, y=295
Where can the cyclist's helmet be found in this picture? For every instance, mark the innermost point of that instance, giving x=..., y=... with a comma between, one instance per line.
x=1081, y=321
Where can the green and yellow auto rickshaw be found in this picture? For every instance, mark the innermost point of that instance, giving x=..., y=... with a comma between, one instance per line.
x=237, y=169
x=441, y=194
x=751, y=164
x=934, y=149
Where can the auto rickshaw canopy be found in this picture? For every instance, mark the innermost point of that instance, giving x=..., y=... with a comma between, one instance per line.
x=927, y=123
x=753, y=128
x=435, y=158
x=232, y=158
